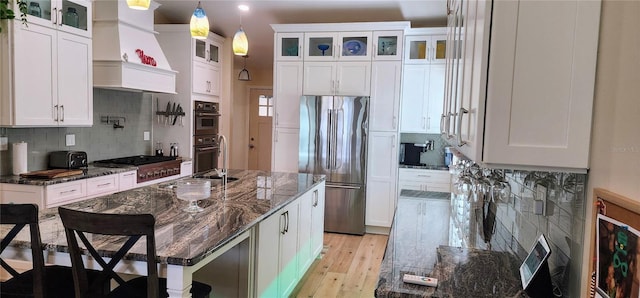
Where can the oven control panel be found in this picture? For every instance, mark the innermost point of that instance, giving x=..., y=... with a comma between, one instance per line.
x=159, y=170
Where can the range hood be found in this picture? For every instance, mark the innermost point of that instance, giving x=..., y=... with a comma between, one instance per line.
x=126, y=53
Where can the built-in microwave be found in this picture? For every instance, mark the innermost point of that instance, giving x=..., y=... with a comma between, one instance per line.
x=205, y=116
x=410, y=153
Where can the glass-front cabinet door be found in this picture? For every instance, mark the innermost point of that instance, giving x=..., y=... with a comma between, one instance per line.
x=438, y=49
x=206, y=51
x=387, y=45
x=320, y=46
x=354, y=46
x=420, y=49
x=71, y=16
x=289, y=46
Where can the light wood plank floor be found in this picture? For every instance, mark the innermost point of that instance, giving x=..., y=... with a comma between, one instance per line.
x=348, y=267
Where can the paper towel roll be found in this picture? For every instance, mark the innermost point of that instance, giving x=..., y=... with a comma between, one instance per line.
x=19, y=158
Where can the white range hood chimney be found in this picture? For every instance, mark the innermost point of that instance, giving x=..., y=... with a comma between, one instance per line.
x=126, y=53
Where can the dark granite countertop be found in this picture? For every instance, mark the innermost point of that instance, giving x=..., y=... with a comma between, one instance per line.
x=182, y=238
x=426, y=167
x=92, y=171
x=423, y=242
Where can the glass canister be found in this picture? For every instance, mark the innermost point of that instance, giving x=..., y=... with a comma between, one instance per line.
x=34, y=9
x=71, y=18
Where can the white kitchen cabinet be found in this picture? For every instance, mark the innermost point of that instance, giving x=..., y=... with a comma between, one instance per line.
x=424, y=180
x=518, y=104
x=206, y=51
x=206, y=78
x=338, y=46
x=285, y=150
x=382, y=169
x=387, y=45
x=337, y=78
x=186, y=168
x=287, y=93
x=64, y=193
x=127, y=180
x=103, y=185
x=310, y=227
x=289, y=46
x=384, y=106
x=72, y=16
x=59, y=91
x=422, y=98
x=277, y=274
x=317, y=220
x=428, y=48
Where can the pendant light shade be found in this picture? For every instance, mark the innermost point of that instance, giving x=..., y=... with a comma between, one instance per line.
x=244, y=73
x=138, y=4
x=240, y=43
x=199, y=25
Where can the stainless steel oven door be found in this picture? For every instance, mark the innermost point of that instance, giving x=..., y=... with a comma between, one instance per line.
x=205, y=153
x=205, y=123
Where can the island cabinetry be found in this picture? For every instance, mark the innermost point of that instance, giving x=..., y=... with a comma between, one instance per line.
x=311, y=227
x=60, y=92
x=424, y=180
x=499, y=107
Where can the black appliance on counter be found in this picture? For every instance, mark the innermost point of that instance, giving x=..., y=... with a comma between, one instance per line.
x=67, y=159
x=205, y=136
x=150, y=167
x=410, y=153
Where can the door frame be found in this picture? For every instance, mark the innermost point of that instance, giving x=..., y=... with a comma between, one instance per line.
x=244, y=143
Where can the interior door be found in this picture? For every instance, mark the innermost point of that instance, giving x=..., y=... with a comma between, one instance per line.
x=260, y=123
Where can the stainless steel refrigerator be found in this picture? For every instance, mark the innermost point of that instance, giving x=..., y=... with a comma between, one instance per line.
x=333, y=142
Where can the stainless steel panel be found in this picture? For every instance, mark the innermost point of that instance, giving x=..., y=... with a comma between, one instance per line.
x=351, y=116
x=344, y=209
x=315, y=132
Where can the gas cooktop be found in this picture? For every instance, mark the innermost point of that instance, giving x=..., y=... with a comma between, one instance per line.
x=136, y=160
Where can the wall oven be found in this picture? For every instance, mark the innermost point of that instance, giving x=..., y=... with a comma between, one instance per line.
x=205, y=115
x=205, y=136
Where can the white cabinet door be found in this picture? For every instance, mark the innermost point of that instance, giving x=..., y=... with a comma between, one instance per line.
x=381, y=178
x=353, y=78
x=319, y=78
x=206, y=79
x=63, y=193
x=289, y=46
x=35, y=94
x=387, y=45
x=435, y=97
x=267, y=263
x=305, y=250
x=317, y=221
x=334, y=46
x=206, y=51
x=127, y=180
x=385, y=95
x=414, y=98
x=288, y=264
x=288, y=90
x=75, y=80
x=285, y=150
x=102, y=185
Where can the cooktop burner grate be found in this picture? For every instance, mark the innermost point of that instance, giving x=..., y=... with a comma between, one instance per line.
x=137, y=160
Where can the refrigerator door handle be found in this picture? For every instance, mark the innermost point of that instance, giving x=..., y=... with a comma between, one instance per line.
x=342, y=186
x=329, y=130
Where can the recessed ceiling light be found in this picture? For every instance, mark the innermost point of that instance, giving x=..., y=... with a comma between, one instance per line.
x=243, y=7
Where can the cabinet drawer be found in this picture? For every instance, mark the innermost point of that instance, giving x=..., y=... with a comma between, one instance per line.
x=431, y=176
x=439, y=187
x=127, y=180
x=21, y=194
x=102, y=185
x=67, y=192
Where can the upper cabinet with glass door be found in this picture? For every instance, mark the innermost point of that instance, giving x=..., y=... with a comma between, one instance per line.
x=72, y=16
x=430, y=46
x=289, y=46
x=338, y=46
x=387, y=45
x=207, y=50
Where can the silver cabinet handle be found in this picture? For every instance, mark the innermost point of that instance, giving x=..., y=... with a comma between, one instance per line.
x=283, y=222
x=55, y=13
x=393, y=142
x=337, y=86
x=459, y=127
x=55, y=113
x=448, y=124
x=277, y=118
x=60, y=18
x=393, y=124
x=299, y=52
x=442, y=132
x=103, y=184
x=62, y=109
x=68, y=191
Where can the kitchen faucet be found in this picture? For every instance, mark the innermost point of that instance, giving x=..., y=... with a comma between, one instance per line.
x=222, y=141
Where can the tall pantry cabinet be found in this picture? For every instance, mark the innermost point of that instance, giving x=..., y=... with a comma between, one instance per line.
x=46, y=67
x=519, y=92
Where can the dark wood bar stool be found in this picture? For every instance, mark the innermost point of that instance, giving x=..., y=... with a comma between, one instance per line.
x=133, y=226
x=40, y=281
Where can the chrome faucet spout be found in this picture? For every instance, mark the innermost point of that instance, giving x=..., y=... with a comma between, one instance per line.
x=222, y=140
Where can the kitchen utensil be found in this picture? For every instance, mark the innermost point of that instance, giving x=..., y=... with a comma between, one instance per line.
x=181, y=112
x=323, y=47
x=166, y=113
x=193, y=190
x=158, y=110
x=354, y=48
x=51, y=174
x=175, y=115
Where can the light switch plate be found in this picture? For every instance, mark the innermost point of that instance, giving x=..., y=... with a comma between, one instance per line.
x=146, y=136
x=4, y=143
x=70, y=140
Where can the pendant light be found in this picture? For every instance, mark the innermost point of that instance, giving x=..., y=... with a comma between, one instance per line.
x=244, y=73
x=138, y=4
x=240, y=42
x=199, y=25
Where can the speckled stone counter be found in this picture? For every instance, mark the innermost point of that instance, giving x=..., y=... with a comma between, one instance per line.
x=426, y=167
x=420, y=244
x=91, y=172
x=182, y=238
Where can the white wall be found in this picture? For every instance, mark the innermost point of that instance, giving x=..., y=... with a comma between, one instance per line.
x=615, y=142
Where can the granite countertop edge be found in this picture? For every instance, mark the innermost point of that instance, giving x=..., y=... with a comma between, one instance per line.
x=92, y=172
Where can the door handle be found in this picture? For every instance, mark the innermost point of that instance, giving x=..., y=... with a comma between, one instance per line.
x=62, y=109
x=55, y=113
x=459, y=127
x=342, y=186
x=251, y=146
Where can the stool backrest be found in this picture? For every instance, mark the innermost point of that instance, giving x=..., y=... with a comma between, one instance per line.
x=21, y=215
x=131, y=226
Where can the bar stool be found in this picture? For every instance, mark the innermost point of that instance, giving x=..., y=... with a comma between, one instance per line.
x=41, y=280
x=133, y=226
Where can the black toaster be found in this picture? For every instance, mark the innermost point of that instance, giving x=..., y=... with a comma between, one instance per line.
x=67, y=159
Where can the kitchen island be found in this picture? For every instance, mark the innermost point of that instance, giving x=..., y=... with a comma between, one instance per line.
x=186, y=242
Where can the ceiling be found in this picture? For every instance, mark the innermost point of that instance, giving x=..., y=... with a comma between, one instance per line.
x=224, y=17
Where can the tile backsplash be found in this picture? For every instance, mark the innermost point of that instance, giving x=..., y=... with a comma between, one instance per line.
x=101, y=141
x=517, y=225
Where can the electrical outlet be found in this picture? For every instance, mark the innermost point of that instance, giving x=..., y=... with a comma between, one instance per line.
x=4, y=143
x=146, y=136
x=70, y=140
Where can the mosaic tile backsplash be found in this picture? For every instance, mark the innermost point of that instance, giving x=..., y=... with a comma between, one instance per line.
x=516, y=225
x=101, y=141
